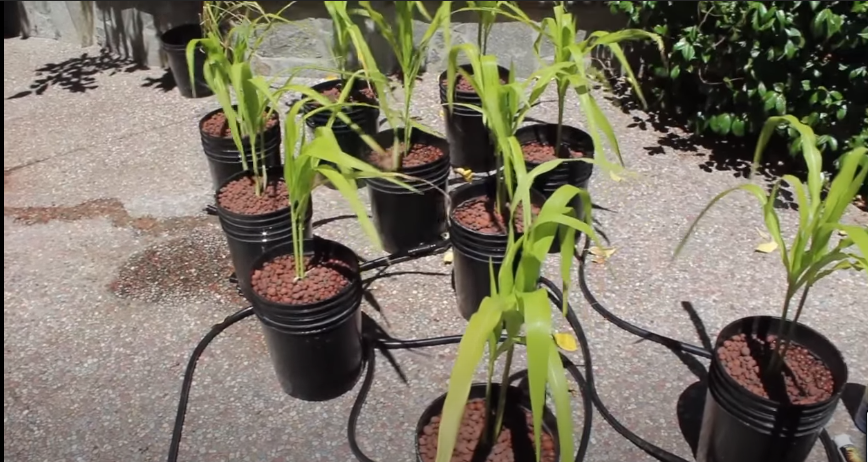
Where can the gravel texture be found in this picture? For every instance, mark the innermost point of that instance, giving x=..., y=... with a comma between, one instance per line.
x=104, y=187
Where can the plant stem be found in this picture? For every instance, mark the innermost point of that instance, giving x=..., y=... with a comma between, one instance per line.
x=784, y=342
x=501, y=397
x=492, y=352
x=562, y=96
x=479, y=35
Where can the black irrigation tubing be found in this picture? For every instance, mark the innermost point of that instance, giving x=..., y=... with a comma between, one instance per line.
x=586, y=384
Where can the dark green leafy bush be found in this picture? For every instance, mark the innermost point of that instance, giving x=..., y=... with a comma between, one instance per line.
x=732, y=65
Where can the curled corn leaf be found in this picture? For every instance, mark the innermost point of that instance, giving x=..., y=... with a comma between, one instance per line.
x=447, y=257
x=566, y=341
x=466, y=174
x=601, y=254
x=767, y=247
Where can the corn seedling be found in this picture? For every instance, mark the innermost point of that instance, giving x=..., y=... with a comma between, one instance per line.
x=232, y=32
x=520, y=309
x=810, y=256
x=342, y=39
x=410, y=56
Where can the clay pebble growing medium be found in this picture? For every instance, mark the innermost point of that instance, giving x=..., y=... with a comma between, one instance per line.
x=277, y=280
x=808, y=380
x=464, y=85
x=218, y=127
x=479, y=214
x=539, y=152
x=420, y=154
x=469, y=435
x=363, y=95
x=240, y=197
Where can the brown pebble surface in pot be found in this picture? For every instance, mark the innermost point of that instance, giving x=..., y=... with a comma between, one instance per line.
x=469, y=435
x=538, y=153
x=239, y=196
x=479, y=214
x=807, y=379
x=420, y=154
x=218, y=127
x=277, y=281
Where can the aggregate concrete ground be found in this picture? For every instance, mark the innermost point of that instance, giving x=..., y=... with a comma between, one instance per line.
x=112, y=274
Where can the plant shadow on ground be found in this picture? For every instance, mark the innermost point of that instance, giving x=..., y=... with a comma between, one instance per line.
x=691, y=402
x=77, y=75
x=165, y=82
x=715, y=153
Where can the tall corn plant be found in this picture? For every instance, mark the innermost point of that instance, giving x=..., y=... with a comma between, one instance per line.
x=410, y=56
x=486, y=16
x=342, y=40
x=810, y=256
x=233, y=31
x=310, y=168
x=561, y=31
x=517, y=306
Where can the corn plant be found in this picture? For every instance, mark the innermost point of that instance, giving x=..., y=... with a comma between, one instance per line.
x=342, y=40
x=233, y=31
x=518, y=306
x=810, y=256
x=321, y=160
x=503, y=108
x=410, y=56
x=487, y=15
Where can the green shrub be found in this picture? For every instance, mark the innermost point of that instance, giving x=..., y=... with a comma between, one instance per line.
x=732, y=65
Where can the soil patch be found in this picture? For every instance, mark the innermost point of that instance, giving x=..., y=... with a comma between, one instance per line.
x=420, y=154
x=218, y=127
x=111, y=209
x=194, y=267
x=807, y=379
x=538, y=152
x=463, y=85
x=240, y=197
x=472, y=426
x=276, y=281
x=480, y=215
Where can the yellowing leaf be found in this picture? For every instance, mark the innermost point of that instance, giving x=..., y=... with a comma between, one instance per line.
x=466, y=174
x=601, y=254
x=767, y=247
x=442, y=115
x=566, y=341
x=447, y=258
x=615, y=176
x=331, y=77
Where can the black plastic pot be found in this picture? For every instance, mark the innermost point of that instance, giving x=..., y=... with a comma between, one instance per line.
x=575, y=173
x=224, y=159
x=11, y=20
x=316, y=349
x=738, y=425
x=517, y=403
x=249, y=236
x=405, y=219
x=470, y=145
x=472, y=251
x=365, y=117
x=174, y=43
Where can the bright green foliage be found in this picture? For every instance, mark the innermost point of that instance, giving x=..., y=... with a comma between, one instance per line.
x=486, y=12
x=734, y=64
x=232, y=33
x=342, y=40
x=411, y=57
x=811, y=255
x=521, y=311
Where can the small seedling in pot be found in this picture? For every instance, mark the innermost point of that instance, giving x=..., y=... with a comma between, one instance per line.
x=519, y=311
x=411, y=57
x=811, y=255
x=233, y=31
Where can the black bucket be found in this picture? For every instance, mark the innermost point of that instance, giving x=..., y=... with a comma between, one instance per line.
x=363, y=116
x=11, y=20
x=405, y=219
x=740, y=426
x=472, y=251
x=316, y=349
x=224, y=160
x=470, y=144
x=248, y=236
x=174, y=43
x=514, y=419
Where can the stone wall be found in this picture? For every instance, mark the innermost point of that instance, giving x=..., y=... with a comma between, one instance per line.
x=132, y=29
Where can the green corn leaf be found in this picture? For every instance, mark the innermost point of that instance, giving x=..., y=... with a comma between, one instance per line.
x=350, y=192
x=560, y=393
x=803, y=234
x=538, y=329
x=859, y=236
x=773, y=225
x=567, y=236
x=470, y=351
x=846, y=184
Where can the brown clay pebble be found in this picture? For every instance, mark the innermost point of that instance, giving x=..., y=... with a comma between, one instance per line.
x=364, y=95
x=463, y=85
x=420, y=154
x=807, y=379
x=539, y=153
x=218, y=127
x=240, y=197
x=469, y=434
x=276, y=281
x=479, y=215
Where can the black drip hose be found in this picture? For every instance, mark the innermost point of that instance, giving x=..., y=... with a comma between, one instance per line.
x=586, y=385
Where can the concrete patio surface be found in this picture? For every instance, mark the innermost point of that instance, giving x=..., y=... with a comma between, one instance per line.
x=112, y=274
